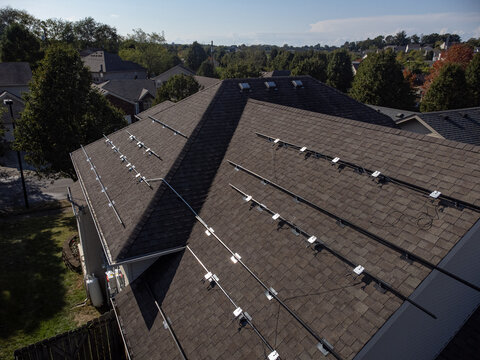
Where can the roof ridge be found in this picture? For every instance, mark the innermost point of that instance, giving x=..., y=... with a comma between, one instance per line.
x=380, y=128
x=170, y=175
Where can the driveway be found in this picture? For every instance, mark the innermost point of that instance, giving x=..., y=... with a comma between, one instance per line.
x=38, y=189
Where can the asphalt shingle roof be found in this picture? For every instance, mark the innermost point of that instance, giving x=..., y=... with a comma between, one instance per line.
x=345, y=311
x=132, y=90
x=15, y=73
x=110, y=63
x=461, y=125
x=220, y=124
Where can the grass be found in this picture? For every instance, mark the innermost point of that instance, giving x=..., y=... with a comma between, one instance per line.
x=37, y=291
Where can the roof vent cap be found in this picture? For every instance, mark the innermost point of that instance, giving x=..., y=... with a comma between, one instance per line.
x=399, y=115
x=270, y=85
x=297, y=83
x=244, y=86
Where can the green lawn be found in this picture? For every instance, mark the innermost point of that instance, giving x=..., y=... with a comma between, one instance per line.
x=37, y=291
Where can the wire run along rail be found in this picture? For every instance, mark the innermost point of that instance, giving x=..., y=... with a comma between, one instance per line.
x=129, y=166
x=175, y=132
x=167, y=324
x=457, y=203
x=141, y=144
x=407, y=254
x=317, y=244
x=210, y=232
x=238, y=312
x=111, y=203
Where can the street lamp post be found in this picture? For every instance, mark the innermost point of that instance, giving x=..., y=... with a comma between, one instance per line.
x=9, y=103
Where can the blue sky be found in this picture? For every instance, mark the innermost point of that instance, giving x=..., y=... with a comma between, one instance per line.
x=301, y=22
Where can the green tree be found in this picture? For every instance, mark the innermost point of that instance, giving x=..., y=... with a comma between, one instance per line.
x=206, y=69
x=339, y=70
x=196, y=55
x=62, y=112
x=178, y=87
x=315, y=67
x=447, y=91
x=379, y=81
x=148, y=50
x=240, y=70
x=472, y=76
x=18, y=44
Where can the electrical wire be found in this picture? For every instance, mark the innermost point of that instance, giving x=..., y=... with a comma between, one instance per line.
x=273, y=295
x=342, y=221
x=315, y=242
x=243, y=314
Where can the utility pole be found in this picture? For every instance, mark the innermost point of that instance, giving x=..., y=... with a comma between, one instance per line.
x=9, y=103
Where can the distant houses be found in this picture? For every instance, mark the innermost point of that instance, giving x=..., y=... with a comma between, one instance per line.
x=14, y=79
x=106, y=66
x=130, y=95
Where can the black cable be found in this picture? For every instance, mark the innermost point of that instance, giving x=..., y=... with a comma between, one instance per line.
x=168, y=325
x=359, y=229
x=457, y=203
x=291, y=312
x=341, y=257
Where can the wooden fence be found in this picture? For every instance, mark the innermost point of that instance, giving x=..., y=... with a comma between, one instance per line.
x=99, y=339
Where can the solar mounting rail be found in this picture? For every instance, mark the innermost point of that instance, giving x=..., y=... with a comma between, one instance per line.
x=407, y=254
x=167, y=324
x=457, y=203
x=282, y=220
x=104, y=189
x=141, y=144
x=240, y=314
x=321, y=341
x=130, y=166
x=175, y=132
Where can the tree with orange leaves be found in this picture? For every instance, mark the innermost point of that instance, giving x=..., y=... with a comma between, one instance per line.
x=460, y=54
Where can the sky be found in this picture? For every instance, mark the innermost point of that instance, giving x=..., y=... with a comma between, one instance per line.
x=301, y=22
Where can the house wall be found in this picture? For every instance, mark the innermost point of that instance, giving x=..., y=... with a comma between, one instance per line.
x=414, y=126
x=411, y=334
x=94, y=257
x=126, y=107
x=135, y=269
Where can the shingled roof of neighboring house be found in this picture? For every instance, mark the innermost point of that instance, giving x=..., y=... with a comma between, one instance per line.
x=460, y=124
x=131, y=90
x=177, y=69
x=15, y=73
x=220, y=124
x=205, y=81
x=104, y=61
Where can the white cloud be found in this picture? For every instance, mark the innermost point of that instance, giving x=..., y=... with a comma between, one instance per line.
x=115, y=16
x=362, y=27
x=337, y=31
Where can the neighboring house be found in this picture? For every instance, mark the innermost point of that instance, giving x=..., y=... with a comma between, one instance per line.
x=106, y=66
x=461, y=125
x=176, y=70
x=437, y=55
x=411, y=47
x=275, y=73
x=131, y=96
x=17, y=107
x=234, y=226
x=14, y=79
x=355, y=65
x=205, y=82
